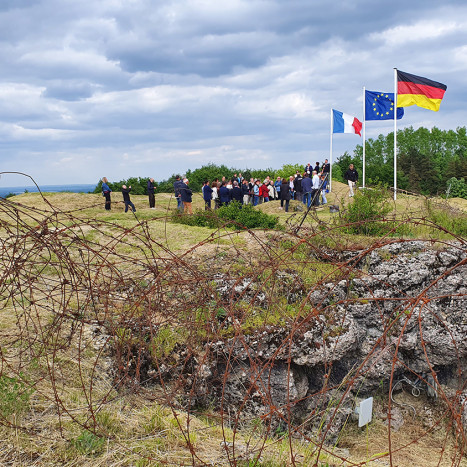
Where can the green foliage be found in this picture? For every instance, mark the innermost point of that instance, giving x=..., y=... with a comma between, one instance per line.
x=366, y=211
x=456, y=188
x=88, y=443
x=139, y=186
x=14, y=396
x=242, y=216
x=289, y=169
x=427, y=159
x=208, y=172
x=418, y=173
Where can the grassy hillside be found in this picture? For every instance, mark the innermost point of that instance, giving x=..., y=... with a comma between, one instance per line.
x=87, y=296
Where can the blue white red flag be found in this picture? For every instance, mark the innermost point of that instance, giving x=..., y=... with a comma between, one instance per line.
x=343, y=123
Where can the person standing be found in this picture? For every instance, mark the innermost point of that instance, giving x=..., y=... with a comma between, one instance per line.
x=106, y=192
x=126, y=198
x=207, y=195
x=177, y=185
x=186, y=196
x=277, y=186
x=251, y=187
x=326, y=167
x=256, y=193
x=298, y=186
x=224, y=194
x=316, y=169
x=152, y=198
x=215, y=194
x=323, y=186
x=236, y=192
x=315, y=189
x=245, y=191
x=351, y=175
x=307, y=190
x=285, y=194
x=292, y=187
x=263, y=192
x=308, y=169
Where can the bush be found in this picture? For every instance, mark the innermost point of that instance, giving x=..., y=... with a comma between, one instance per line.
x=240, y=216
x=456, y=188
x=367, y=210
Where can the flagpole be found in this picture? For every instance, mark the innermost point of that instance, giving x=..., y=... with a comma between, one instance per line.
x=330, y=156
x=364, y=125
x=395, y=134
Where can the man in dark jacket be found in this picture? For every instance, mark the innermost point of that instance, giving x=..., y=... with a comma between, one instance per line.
x=224, y=194
x=186, y=196
x=245, y=191
x=297, y=187
x=237, y=194
x=151, y=188
x=178, y=197
x=207, y=195
x=351, y=175
x=126, y=198
x=306, y=188
x=285, y=194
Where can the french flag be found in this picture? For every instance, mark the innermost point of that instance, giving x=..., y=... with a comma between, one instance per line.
x=343, y=123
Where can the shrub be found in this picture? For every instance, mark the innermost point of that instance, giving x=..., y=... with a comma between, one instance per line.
x=456, y=188
x=241, y=216
x=367, y=210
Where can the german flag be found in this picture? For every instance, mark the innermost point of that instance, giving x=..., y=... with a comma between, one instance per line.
x=415, y=90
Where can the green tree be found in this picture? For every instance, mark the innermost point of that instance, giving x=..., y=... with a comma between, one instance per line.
x=444, y=152
x=288, y=169
x=420, y=173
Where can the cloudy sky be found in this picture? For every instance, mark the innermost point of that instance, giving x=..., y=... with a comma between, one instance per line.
x=123, y=88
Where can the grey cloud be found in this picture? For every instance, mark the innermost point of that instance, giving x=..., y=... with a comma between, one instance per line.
x=191, y=82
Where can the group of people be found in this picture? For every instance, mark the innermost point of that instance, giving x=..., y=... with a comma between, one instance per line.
x=308, y=186
x=126, y=195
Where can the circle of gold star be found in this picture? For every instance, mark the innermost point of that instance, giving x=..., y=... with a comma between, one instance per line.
x=382, y=114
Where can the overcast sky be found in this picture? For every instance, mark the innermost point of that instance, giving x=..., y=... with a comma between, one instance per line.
x=123, y=88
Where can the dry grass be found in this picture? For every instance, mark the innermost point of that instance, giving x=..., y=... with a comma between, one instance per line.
x=79, y=415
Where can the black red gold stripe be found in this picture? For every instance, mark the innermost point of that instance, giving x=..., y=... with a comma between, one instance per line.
x=416, y=90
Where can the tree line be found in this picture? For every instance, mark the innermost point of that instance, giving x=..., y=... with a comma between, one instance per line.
x=430, y=162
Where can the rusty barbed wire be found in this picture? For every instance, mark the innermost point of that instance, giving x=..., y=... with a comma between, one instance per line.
x=273, y=337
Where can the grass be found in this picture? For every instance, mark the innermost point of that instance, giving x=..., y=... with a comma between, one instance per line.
x=59, y=380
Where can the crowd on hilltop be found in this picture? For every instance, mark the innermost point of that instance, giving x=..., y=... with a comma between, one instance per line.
x=308, y=186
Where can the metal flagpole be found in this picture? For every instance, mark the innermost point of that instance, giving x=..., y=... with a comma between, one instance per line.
x=395, y=134
x=330, y=155
x=364, y=124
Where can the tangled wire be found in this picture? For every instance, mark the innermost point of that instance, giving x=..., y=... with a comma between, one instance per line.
x=262, y=341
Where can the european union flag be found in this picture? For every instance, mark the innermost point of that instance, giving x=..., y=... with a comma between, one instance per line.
x=380, y=106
